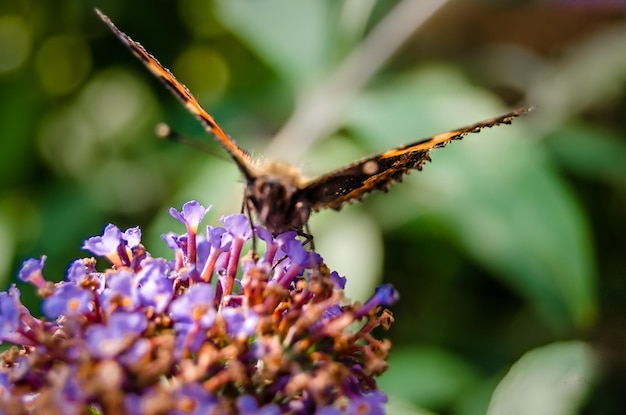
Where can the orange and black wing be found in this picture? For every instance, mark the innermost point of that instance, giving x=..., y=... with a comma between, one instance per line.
x=240, y=157
x=378, y=172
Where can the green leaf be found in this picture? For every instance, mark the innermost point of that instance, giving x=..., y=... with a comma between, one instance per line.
x=289, y=35
x=398, y=406
x=426, y=376
x=590, y=152
x=551, y=380
x=496, y=192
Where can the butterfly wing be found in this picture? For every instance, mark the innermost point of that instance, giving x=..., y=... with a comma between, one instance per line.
x=378, y=172
x=240, y=157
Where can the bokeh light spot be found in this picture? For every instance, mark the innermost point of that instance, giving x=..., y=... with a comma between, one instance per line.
x=63, y=63
x=66, y=141
x=197, y=15
x=117, y=104
x=14, y=43
x=205, y=72
x=7, y=248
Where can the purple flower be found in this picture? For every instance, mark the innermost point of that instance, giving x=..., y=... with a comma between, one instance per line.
x=296, y=252
x=68, y=300
x=193, y=399
x=239, y=322
x=155, y=288
x=5, y=385
x=137, y=351
x=9, y=312
x=76, y=272
x=384, y=295
x=218, y=238
x=337, y=280
x=31, y=272
x=238, y=226
x=371, y=404
x=192, y=313
x=191, y=215
x=110, y=245
x=271, y=246
x=108, y=340
x=195, y=306
x=158, y=335
x=106, y=244
x=171, y=239
x=299, y=258
x=219, y=241
x=121, y=291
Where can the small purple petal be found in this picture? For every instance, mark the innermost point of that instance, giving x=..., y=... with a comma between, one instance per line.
x=238, y=225
x=152, y=269
x=31, y=272
x=385, y=295
x=204, y=402
x=333, y=311
x=296, y=252
x=9, y=312
x=124, y=323
x=195, y=306
x=132, y=236
x=133, y=403
x=328, y=410
x=191, y=215
x=106, y=244
x=67, y=299
x=76, y=272
x=371, y=404
x=219, y=238
x=5, y=385
x=247, y=405
x=106, y=341
x=72, y=387
x=203, y=248
x=239, y=322
x=155, y=288
x=136, y=352
x=263, y=234
x=121, y=290
x=271, y=245
x=171, y=239
x=337, y=280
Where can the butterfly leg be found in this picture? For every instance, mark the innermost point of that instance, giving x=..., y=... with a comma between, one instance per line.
x=308, y=236
x=245, y=206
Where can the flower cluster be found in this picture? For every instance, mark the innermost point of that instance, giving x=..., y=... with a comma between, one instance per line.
x=210, y=332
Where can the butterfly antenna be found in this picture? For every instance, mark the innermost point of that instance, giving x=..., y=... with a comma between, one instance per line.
x=164, y=131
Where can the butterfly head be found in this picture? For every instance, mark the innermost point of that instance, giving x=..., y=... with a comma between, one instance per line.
x=275, y=194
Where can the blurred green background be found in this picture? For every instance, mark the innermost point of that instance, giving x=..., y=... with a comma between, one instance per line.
x=508, y=250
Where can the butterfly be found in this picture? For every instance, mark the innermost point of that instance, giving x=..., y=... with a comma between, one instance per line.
x=281, y=198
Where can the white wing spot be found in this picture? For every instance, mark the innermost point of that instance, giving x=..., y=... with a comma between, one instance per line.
x=370, y=167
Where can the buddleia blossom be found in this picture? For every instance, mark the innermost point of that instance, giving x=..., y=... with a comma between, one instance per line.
x=212, y=331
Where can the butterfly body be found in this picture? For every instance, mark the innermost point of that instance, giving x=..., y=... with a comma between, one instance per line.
x=276, y=192
x=276, y=195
